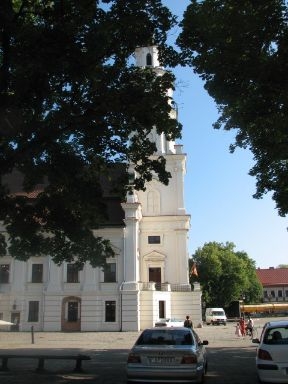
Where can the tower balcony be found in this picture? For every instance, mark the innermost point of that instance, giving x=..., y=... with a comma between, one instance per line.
x=166, y=287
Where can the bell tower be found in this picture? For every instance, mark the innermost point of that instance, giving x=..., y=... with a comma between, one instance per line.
x=148, y=57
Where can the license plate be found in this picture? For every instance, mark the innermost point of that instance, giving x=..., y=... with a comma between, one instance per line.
x=164, y=360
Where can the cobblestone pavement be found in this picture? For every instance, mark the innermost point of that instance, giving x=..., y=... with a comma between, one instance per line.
x=108, y=352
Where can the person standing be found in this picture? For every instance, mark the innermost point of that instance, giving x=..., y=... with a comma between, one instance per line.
x=250, y=326
x=188, y=322
x=242, y=326
x=238, y=330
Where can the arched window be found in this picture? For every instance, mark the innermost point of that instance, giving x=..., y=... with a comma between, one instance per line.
x=153, y=202
x=149, y=59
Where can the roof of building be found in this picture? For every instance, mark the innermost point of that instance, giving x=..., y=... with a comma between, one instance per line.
x=115, y=214
x=273, y=276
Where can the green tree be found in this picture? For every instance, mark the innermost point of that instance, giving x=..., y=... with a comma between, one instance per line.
x=240, y=50
x=225, y=275
x=72, y=104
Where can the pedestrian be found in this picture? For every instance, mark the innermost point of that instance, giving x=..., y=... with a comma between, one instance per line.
x=238, y=330
x=188, y=322
x=242, y=326
x=250, y=327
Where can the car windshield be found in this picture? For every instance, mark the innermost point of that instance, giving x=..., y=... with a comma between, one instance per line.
x=276, y=336
x=218, y=313
x=167, y=337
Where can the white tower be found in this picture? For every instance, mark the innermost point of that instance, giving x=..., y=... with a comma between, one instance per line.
x=148, y=57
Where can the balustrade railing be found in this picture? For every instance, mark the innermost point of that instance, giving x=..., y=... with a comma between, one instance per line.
x=152, y=286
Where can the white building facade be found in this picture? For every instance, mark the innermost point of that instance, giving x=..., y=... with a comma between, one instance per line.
x=147, y=279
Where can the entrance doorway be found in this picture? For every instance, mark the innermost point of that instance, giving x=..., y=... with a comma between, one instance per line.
x=155, y=276
x=162, y=309
x=71, y=314
x=15, y=319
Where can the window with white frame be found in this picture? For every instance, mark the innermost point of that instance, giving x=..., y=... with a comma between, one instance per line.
x=110, y=273
x=37, y=273
x=154, y=239
x=4, y=273
x=72, y=273
x=148, y=59
x=110, y=311
x=33, y=314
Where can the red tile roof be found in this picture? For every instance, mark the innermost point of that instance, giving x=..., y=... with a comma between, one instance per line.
x=14, y=182
x=273, y=276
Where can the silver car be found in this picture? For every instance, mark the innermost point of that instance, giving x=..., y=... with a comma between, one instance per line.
x=272, y=353
x=169, y=323
x=168, y=354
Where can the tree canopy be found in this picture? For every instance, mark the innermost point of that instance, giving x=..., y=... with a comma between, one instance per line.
x=240, y=50
x=225, y=275
x=72, y=104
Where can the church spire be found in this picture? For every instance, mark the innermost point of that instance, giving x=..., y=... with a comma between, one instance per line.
x=148, y=57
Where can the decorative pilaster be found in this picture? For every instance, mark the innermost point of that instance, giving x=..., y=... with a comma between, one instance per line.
x=133, y=215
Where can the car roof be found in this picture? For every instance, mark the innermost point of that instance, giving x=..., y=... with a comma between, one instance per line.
x=170, y=329
x=275, y=324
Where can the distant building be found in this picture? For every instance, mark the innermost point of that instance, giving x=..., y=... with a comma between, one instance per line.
x=275, y=284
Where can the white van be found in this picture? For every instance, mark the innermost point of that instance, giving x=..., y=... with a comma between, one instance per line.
x=215, y=316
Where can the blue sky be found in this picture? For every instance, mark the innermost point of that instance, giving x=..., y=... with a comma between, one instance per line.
x=218, y=189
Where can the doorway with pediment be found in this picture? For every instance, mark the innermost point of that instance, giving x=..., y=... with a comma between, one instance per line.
x=154, y=268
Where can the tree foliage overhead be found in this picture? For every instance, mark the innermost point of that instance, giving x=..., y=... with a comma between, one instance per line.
x=70, y=99
x=226, y=275
x=240, y=50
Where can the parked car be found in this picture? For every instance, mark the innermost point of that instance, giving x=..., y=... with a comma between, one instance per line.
x=170, y=354
x=169, y=323
x=272, y=352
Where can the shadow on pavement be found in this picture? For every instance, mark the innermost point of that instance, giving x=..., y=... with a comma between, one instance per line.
x=231, y=365
x=107, y=366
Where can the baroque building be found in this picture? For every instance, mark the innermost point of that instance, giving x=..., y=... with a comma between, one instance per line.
x=147, y=279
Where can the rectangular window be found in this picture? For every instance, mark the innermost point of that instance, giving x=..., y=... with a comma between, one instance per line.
x=110, y=273
x=72, y=273
x=4, y=273
x=154, y=239
x=272, y=294
x=33, y=315
x=266, y=294
x=37, y=273
x=279, y=293
x=110, y=311
x=286, y=293
x=72, y=311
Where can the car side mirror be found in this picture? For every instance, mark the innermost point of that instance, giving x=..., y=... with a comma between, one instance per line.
x=255, y=341
x=205, y=342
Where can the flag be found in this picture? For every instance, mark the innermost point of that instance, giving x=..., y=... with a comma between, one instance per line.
x=193, y=270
